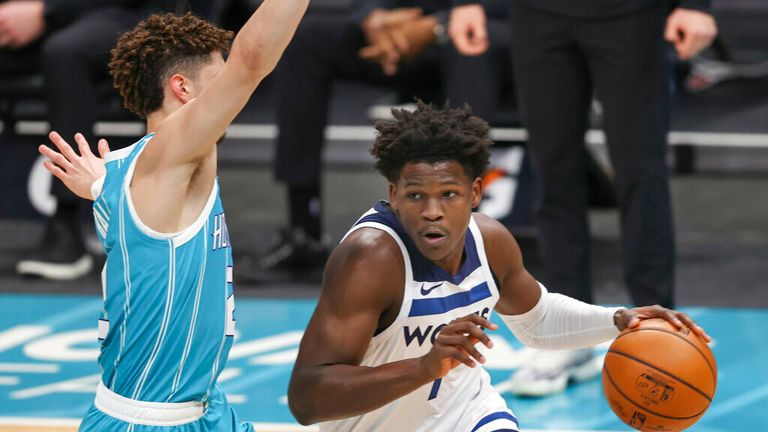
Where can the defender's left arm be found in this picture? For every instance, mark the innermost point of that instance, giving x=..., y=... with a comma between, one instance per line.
x=190, y=134
x=82, y=174
x=541, y=319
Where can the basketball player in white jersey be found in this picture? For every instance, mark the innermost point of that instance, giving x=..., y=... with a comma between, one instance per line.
x=410, y=289
x=167, y=324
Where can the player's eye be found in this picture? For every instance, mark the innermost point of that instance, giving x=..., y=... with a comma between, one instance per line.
x=414, y=195
x=450, y=194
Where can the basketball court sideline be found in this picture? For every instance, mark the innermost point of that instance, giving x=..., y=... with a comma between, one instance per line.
x=48, y=370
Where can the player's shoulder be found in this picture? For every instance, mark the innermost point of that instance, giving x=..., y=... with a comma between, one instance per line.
x=501, y=248
x=491, y=228
x=368, y=244
x=367, y=267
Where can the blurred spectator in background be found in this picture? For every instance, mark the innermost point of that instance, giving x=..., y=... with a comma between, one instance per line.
x=397, y=43
x=69, y=42
x=740, y=51
x=563, y=52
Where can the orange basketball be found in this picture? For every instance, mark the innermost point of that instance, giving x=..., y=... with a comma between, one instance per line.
x=659, y=378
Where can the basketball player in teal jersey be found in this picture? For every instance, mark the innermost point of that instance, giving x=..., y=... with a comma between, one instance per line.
x=410, y=289
x=167, y=323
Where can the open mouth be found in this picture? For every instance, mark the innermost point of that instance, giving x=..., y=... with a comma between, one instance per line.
x=433, y=237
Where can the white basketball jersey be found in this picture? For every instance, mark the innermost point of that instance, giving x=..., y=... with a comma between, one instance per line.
x=463, y=400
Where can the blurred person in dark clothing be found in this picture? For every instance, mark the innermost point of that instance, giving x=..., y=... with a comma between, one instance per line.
x=395, y=43
x=565, y=51
x=69, y=42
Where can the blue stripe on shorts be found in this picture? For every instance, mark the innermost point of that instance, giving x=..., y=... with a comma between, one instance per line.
x=494, y=416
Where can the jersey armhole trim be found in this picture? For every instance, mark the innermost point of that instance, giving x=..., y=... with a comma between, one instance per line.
x=490, y=276
x=405, y=305
x=180, y=237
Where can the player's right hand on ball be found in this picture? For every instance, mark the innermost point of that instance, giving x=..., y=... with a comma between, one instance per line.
x=455, y=345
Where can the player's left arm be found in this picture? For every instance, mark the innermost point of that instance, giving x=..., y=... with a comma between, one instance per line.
x=190, y=134
x=547, y=320
x=81, y=173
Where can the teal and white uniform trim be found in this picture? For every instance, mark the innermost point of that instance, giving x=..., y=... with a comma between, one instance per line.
x=167, y=324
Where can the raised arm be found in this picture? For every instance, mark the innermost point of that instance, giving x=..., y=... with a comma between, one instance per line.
x=362, y=279
x=192, y=131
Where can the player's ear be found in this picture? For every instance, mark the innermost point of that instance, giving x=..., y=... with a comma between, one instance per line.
x=477, y=191
x=180, y=86
x=393, y=195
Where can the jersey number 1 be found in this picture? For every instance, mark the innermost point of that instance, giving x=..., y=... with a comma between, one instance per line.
x=435, y=389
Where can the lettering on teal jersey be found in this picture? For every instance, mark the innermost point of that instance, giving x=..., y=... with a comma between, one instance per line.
x=220, y=233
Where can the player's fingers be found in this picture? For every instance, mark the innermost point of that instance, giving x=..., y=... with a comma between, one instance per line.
x=702, y=333
x=469, y=348
x=633, y=322
x=477, y=319
x=57, y=158
x=103, y=148
x=82, y=145
x=672, y=316
x=63, y=146
x=45, y=150
x=461, y=357
x=55, y=170
x=691, y=324
x=463, y=343
x=474, y=332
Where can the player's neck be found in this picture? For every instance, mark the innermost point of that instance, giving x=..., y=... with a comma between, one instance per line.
x=155, y=119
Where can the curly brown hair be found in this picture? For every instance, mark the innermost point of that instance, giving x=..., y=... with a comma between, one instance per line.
x=432, y=135
x=158, y=47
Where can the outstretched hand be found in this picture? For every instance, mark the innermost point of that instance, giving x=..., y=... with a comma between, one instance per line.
x=77, y=172
x=455, y=345
x=630, y=318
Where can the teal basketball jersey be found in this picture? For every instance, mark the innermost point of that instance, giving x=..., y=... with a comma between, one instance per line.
x=167, y=323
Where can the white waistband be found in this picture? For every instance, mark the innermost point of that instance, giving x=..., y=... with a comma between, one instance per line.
x=146, y=413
